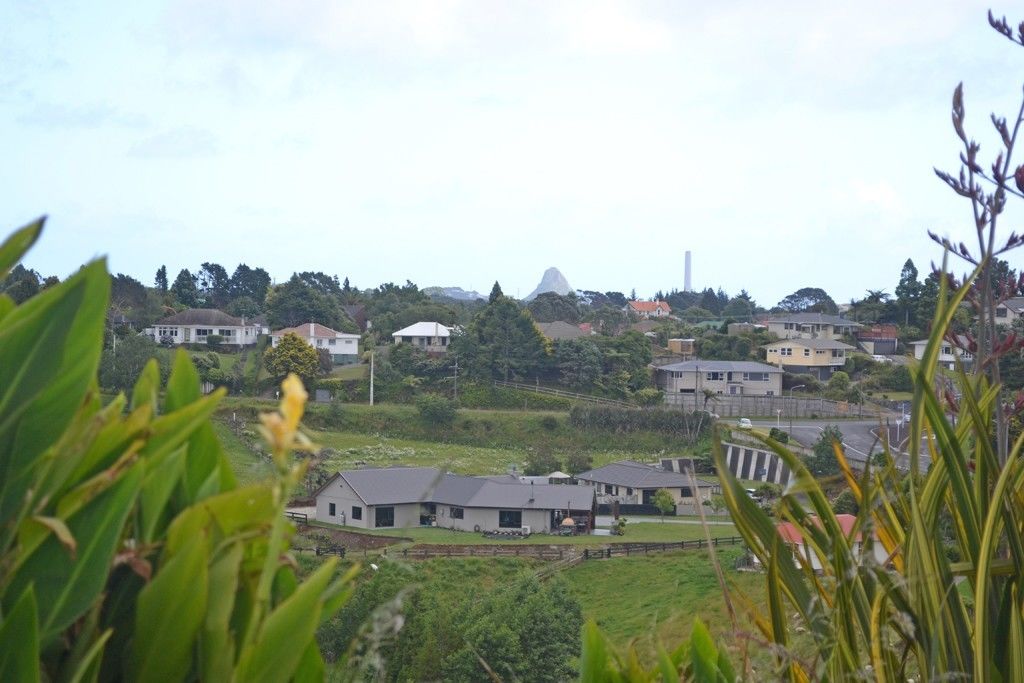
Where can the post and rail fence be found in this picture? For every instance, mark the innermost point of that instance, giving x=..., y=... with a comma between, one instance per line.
x=628, y=549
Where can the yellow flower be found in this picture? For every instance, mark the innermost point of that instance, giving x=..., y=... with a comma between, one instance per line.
x=281, y=429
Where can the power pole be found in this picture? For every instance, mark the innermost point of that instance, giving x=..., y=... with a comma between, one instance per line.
x=371, y=378
x=456, y=380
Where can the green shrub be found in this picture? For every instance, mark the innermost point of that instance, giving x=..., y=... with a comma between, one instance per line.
x=649, y=397
x=214, y=341
x=663, y=421
x=549, y=422
x=436, y=410
x=779, y=435
x=128, y=550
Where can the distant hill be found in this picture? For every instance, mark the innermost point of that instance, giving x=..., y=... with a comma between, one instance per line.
x=457, y=293
x=553, y=281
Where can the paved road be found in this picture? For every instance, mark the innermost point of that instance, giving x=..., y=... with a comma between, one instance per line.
x=860, y=437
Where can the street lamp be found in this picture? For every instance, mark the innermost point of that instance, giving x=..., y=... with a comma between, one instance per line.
x=791, y=390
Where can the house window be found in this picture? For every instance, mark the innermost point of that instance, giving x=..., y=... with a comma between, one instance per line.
x=837, y=353
x=456, y=513
x=608, y=489
x=807, y=353
x=629, y=491
x=510, y=519
x=685, y=492
x=755, y=376
x=444, y=341
x=332, y=510
x=384, y=516
x=407, y=339
x=200, y=332
x=1001, y=312
x=330, y=342
x=357, y=512
x=226, y=333
x=786, y=351
x=714, y=376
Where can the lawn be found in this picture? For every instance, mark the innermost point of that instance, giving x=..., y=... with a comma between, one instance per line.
x=247, y=467
x=643, y=532
x=350, y=372
x=652, y=600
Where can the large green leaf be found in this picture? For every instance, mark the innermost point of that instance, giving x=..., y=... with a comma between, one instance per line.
x=272, y=657
x=15, y=246
x=67, y=586
x=19, y=640
x=216, y=645
x=170, y=611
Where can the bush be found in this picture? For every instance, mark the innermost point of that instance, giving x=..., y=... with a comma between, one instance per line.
x=649, y=397
x=436, y=410
x=541, y=462
x=779, y=435
x=663, y=421
x=214, y=341
x=549, y=422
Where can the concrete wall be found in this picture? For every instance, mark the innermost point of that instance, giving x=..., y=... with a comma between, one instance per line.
x=765, y=406
x=757, y=464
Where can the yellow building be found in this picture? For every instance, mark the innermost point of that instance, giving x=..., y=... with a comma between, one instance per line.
x=818, y=357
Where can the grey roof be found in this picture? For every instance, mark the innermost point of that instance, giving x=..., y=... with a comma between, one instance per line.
x=1015, y=303
x=812, y=319
x=811, y=343
x=201, y=316
x=720, y=366
x=560, y=330
x=640, y=476
x=397, y=485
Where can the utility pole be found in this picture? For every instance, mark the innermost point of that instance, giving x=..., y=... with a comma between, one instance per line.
x=371, y=378
x=456, y=380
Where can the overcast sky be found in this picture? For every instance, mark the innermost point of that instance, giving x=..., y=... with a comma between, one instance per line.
x=458, y=143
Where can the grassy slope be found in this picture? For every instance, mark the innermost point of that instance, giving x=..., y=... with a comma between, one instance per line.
x=248, y=468
x=350, y=372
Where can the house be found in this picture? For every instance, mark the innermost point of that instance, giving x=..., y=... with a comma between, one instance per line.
x=402, y=497
x=649, y=309
x=1008, y=311
x=343, y=347
x=810, y=326
x=878, y=339
x=197, y=325
x=628, y=482
x=732, y=377
x=815, y=356
x=949, y=353
x=428, y=336
x=793, y=538
x=560, y=330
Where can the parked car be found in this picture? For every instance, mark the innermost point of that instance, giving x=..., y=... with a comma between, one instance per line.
x=745, y=423
x=881, y=359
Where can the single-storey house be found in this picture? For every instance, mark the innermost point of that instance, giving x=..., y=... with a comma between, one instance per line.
x=402, y=497
x=794, y=539
x=560, y=330
x=732, y=377
x=343, y=347
x=810, y=326
x=948, y=354
x=1008, y=311
x=819, y=357
x=428, y=336
x=628, y=482
x=196, y=325
x=649, y=309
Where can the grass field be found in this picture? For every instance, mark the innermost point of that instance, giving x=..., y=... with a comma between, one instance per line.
x=652, y=600
x=642, y=532
x=247, y=467
x=350, y=372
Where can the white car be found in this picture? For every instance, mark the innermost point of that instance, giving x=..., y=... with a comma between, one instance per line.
x=881, y=359
x=745, y=423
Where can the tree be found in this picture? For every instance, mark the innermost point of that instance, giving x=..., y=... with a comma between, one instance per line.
x=578, y=462
x=810, y=300
x=20, y=284
x=292, y=355
x=823, y=462
x=540, y=462
x=579, y=362
x=325, y=360
x=120, y=367
x=739, y=308
x=321, y=282
x=664, y=501
x=184, y=289
x=496, y=293
x=697, y=314
x=250, y=283
x=243, y=307
x=437, y=410
x=502, y=341
x=161, y=279
x=908, y=290
x=214, y=285
x=548, y=307
x=845, y=503
x=296, y=302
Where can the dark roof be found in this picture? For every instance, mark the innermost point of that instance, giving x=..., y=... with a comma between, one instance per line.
x=201, y=316
x=396, y=485
x=560, y=330
x=811, y=319
x=639, y=476
x=816, y=343
x=720, y=366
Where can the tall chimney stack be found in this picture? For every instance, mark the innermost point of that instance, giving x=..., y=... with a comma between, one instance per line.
x=687, y=281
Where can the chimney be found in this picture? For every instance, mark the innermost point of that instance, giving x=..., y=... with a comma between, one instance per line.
x=311, y=330
x=687, y=275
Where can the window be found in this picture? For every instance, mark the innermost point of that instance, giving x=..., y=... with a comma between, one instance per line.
x=384, y=516
x=330, y=342
x=714, y=376
x=786, y=351
x=332, y=510
x=608, y=489
x=348, y=342
x=444, y=341
x=357, y=512
x=837, y=353
x=1001, y=312
x=510, y=519
x=629, y=491
x=685, y=492
x=456, y=513
x=755, y=376
x=807, y=353
x=226, y=333
x=407, y=339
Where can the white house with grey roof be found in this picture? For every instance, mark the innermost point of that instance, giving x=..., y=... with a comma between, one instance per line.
x=720, y=376
x=429, y=336
x=197, y=325
x=343, y=347
x=403, y=497
x=810, y=326
x=628, y=482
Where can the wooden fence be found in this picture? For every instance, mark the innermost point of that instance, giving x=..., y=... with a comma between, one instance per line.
x=628, y=549
x=571, y=395
x=536, y=552
x=297, y=516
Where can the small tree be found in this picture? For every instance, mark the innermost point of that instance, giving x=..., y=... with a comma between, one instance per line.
x=541, y=461
x=325, y=360
x=214, y=341
x=845, y=503
x=664, y=501
x=578, y=462
x=649, y=397
x=292, y=355
x=436, y=410
x=823, y=463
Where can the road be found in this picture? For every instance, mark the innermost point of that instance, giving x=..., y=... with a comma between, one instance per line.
x=860, y=437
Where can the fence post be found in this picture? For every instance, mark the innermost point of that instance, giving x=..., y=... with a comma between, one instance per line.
x=405, y=552
x=608, y=552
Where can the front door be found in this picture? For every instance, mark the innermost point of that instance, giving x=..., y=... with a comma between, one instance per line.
x=648, y=497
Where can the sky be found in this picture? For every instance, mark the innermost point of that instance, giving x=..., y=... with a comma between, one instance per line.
x=456, y=143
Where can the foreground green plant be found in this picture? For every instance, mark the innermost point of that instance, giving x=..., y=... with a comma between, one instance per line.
x=127, y=551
